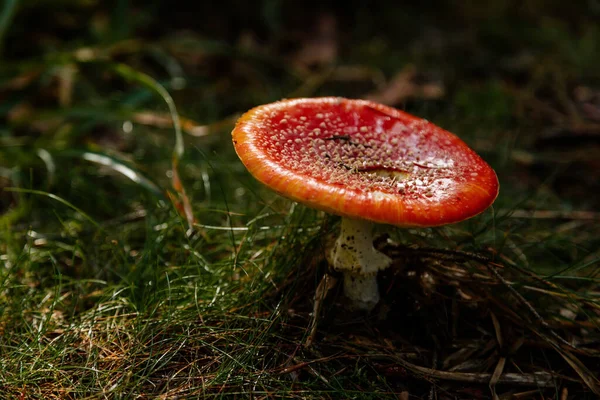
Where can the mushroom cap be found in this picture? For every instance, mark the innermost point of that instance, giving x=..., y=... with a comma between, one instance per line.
x=361, y=159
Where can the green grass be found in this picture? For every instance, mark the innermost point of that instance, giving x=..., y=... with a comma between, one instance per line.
x=115, y=282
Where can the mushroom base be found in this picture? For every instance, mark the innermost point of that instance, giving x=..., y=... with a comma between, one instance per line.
x=355, y=256
x=362, y=290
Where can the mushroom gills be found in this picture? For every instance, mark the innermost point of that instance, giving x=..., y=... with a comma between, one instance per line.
x=354, y=255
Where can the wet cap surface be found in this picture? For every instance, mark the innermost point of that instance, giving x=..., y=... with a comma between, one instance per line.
x=361, y=159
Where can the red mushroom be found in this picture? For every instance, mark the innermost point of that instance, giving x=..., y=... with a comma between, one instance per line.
x=367, y=163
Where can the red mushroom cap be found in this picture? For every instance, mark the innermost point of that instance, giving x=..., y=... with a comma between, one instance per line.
x=361, y=159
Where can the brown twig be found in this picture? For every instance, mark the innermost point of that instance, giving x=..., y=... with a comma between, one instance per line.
x=540, y=379
x=552, y=214
x=327, y=283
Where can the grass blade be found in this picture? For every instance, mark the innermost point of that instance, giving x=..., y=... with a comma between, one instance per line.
x=57, y=198
x=6, y=17
x=132, y=75
x=124, y=169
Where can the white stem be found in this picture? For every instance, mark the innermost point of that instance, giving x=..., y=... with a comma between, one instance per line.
x=355, y=256
x=362, y=290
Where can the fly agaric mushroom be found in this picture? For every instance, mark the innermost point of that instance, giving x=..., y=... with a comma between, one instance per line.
x=368, y=163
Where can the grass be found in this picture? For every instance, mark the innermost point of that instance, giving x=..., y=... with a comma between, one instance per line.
x=140, y=259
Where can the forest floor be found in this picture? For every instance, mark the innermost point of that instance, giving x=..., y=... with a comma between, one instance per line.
x=139, y=259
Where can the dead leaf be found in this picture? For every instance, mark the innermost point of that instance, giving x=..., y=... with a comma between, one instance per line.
x=403, y=86
x=321, y=49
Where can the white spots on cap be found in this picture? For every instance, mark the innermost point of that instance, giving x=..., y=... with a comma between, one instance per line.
x=439, y=187
x=367, y=151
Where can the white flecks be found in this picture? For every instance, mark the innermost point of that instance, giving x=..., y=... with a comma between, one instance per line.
x=380, y=154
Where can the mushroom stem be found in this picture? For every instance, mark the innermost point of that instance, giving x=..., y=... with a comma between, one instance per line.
x=362, y=290
x=355, y=256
